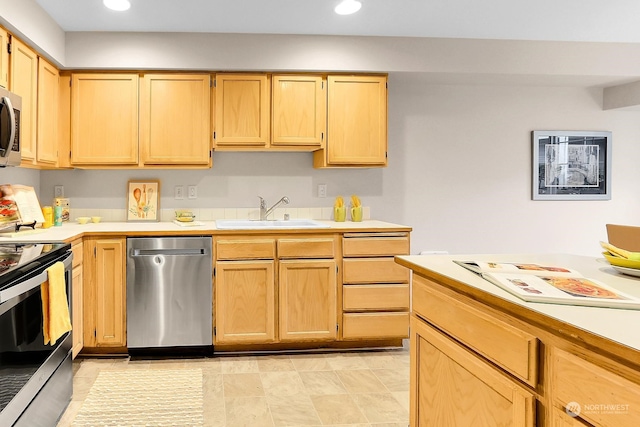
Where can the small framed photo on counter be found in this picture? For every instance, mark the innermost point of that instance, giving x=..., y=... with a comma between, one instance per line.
x=143, y=200
x=571, y=165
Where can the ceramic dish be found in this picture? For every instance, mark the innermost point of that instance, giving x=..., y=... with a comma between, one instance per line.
x=628, y=271
x=621, y=262
x=185, y=216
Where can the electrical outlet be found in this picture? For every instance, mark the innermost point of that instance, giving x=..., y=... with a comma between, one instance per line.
x=322, y=190
x=58, y=191
x=179, y=192
x=192, y=192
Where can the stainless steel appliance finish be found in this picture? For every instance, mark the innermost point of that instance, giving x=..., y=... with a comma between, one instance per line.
x=35, y=378
x=10, y=107
x=169, y=292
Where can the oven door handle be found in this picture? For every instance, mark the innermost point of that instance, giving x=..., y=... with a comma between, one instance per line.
x=32, y=283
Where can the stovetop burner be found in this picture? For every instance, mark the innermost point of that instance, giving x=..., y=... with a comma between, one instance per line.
x=17, y=259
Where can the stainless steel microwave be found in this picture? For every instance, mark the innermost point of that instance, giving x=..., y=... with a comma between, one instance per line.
x=10, y=106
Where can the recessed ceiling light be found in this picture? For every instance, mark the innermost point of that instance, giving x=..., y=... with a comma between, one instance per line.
x=347, y=7
x=118, y=5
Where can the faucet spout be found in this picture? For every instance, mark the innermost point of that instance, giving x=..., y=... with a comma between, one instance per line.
x=264, y=212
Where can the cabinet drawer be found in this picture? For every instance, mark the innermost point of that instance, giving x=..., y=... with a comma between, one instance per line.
x=306, y=248
x=375, y=297
x=592, y=387
x=246, y=249
x=374, y=270
x=511, y=348
x=76, y=250
x=375, y=246
x=375, y=325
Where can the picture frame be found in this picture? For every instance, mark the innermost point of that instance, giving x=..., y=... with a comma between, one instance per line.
x=143, y=200
x=571, y=165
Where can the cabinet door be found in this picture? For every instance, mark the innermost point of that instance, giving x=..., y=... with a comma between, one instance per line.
x=174, y=119
x=104, y=291
x=104, y=119
x=244, y=302
x=48, y=90
x=24, y=81
x=560, y=418
x=307, y=300
x=242, y=110
x=357, y=120
x=452, y=386
x=76, y=310
x=299, y=110
x=4, y=59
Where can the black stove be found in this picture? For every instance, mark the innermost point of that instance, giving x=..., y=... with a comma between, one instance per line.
x=20, y=260
x=36, y=379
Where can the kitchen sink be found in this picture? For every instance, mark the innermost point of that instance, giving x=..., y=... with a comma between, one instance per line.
x=247, y=224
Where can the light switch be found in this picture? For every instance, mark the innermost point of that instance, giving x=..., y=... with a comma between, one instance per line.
x=179, y=192
x=192, y=192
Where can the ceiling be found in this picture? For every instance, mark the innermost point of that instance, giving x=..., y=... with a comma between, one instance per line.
x=558, y=20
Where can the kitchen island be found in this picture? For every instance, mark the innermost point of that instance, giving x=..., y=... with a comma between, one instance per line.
x=482, y=356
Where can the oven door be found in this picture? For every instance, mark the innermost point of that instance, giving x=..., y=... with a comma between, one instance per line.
x=26, y=363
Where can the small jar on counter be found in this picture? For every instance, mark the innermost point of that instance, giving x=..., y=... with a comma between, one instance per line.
x=47, y=212
x=57, y=216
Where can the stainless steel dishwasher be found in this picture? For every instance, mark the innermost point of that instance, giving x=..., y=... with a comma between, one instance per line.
x=169, y=292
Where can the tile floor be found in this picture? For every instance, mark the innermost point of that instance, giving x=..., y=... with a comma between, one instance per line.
x=322, y=389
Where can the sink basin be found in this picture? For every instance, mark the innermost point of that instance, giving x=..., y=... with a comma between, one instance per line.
x=246, y=224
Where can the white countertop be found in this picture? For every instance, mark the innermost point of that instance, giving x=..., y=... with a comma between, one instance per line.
x=618, y=325
x=71, y=230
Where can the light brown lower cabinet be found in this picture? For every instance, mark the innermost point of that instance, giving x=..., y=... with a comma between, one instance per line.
x=265, y=295
x=476, y=361
x=307, y=300
x=245, y=302
x=451, y=386
x=104, y=292
x=77, y=312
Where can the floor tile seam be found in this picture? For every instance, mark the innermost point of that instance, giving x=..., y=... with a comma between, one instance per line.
x=351, y=370
x=382, y=382
x=354, y=402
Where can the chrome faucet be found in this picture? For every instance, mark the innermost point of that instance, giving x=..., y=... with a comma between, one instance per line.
x=264, y=212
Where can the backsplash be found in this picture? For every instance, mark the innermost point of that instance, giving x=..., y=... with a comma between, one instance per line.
x=203, y=214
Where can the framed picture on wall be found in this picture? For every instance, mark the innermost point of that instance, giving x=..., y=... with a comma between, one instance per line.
x=570, y=165
x=143, y=200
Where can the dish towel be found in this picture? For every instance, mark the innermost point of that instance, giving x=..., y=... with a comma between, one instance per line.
x=55, y=310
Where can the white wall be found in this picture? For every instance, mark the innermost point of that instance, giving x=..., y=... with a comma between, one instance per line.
x=465, y=162
x=27, y=20
x=13, y=175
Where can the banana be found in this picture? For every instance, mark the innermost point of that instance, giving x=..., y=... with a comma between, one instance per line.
x=634, y=256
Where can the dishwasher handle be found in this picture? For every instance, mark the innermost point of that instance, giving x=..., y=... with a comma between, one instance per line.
x=169, y=252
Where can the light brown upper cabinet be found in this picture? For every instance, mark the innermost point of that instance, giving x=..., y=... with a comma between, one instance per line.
x=104, y=119
x=299, y=111
x=4, y=58
x=242, y=110
x=356, y=123
x=24, y=82
x=47, y=135
x=174, y=119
